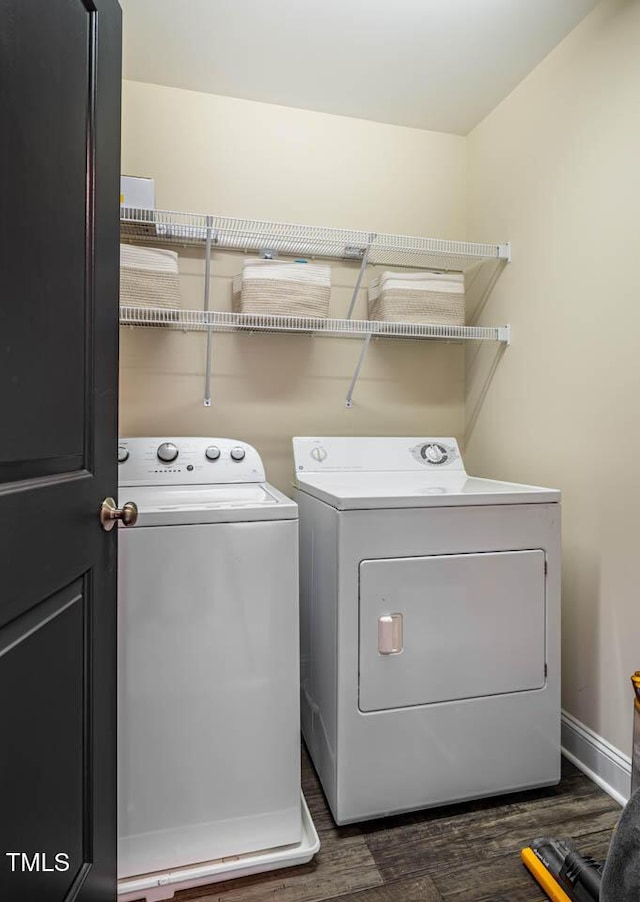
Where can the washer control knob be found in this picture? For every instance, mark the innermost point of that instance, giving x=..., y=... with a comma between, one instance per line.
x=167, y=452
x=212, y=453
x=237, y=454
x=123, y=454
x=318, y=453
x=434, y=454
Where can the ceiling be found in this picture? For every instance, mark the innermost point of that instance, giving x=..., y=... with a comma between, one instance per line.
x=431, y=64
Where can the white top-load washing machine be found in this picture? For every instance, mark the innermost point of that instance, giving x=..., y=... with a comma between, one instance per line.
x=430, y=626
x=209, y=750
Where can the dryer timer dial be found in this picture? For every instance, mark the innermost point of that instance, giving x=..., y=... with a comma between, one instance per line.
x=434, y=453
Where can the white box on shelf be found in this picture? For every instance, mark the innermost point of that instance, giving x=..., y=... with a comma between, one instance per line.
x=137, y=192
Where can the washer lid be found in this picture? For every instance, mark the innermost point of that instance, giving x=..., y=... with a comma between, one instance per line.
x=367, y=490
x=191, y=505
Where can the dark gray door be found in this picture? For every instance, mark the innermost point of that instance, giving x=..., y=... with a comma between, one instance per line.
x=60, y=65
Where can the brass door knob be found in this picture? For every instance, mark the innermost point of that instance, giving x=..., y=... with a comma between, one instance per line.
x=110, y=513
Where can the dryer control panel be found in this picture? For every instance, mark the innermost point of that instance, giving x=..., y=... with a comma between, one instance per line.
x=379, y=454
x=187, y=461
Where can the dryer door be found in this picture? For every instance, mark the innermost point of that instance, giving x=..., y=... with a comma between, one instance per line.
x=441, y=628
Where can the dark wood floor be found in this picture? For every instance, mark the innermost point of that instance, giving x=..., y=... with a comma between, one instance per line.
x=464, y=853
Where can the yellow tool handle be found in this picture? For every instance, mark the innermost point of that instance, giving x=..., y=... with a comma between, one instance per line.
x=542, y=875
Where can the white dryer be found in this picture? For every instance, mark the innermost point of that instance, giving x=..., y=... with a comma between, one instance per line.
x=209, y=764
x=430, y=626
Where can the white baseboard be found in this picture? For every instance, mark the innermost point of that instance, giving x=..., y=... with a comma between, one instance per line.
x=607, y=766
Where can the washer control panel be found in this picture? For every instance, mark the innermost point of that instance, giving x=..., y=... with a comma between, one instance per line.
x=382, y=454
x=187, y=461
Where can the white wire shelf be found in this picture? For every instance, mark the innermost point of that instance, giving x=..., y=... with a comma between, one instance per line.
x=273, y=238
x=217, y=321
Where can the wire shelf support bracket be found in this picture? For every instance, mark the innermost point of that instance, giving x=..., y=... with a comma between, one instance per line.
x=363, y=267
x=207, y=289
x=363, y=353
x=504, y=334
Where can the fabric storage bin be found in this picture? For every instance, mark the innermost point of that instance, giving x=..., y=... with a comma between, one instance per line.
x=277, y=288
x=418, y=297
x=149, y=277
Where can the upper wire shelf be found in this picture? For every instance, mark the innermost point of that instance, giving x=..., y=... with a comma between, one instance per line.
x=273, y=238
x=218, y=321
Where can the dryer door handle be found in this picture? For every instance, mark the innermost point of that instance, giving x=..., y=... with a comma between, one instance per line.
x=390, y=634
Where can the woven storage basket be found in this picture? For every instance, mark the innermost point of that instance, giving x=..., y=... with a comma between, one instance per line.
x=418, y=298
x=149, y=278
x=273, y=288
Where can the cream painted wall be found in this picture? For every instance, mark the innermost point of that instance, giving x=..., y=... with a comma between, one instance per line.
x=240, y=158
x=555, y=167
